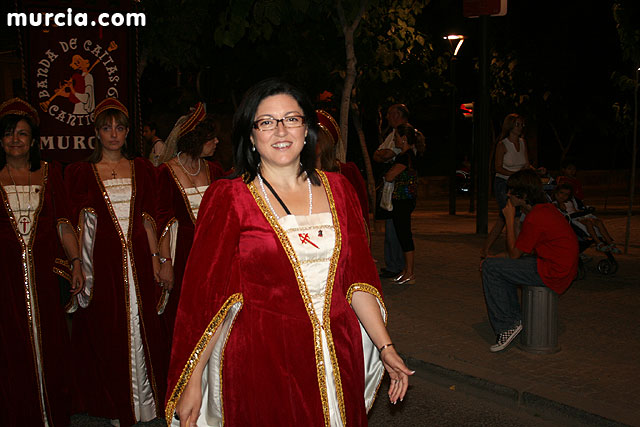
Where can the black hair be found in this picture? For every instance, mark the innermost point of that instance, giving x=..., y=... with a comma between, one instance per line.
x=526, y=185
x=104, y=118
x=8, y=124
x=409, y=132
x=191, y=144
x=246, y=160
x=564, y=186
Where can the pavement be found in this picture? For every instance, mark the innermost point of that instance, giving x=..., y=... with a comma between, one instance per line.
x=440, y=324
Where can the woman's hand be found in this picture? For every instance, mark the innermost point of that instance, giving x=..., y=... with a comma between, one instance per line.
x=77, y=279
x=188, y=407
x=165, y=276
x=398, y=372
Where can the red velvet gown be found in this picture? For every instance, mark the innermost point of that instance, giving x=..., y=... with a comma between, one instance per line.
x=174, y=210
x=20, y=402
x=101, y=332
x=353, y=175
x=244, y=279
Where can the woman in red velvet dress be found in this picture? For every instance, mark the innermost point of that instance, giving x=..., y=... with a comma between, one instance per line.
x=281, y=319
x=34, y=222
x=118, y=337
x=328, y=137
x=182, y=182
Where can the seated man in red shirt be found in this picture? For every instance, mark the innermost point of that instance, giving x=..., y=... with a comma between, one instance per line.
x=545, y=253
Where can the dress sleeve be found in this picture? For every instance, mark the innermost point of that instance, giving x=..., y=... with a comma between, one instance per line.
x=146, y=189
x=210, y=297
x=76, y=180
x=165, y=195
x=360, y=270
x=352, y=173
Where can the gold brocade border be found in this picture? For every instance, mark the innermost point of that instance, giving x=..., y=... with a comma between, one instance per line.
x=29, y=280
x=365, y=287
x=80, y=239
x=194, y=358
x=306, y=297
x=62, y=273
x=184, y=193
x=149, y=218
x=165, y=231
x=127, y=249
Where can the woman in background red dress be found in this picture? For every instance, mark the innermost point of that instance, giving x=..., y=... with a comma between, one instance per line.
x=182, y=182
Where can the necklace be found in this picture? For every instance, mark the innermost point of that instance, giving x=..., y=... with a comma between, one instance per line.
x=24, y=221
x=262, y=182
x=194, y=186
x=185, y=169
x=114, y=174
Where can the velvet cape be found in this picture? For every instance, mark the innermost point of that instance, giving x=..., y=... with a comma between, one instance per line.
x=241, y=262
x=101, y=336
x=173, y=208
x=19, y=391
x=352, y=173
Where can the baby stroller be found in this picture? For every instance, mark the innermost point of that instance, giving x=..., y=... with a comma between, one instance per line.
x=605, y=266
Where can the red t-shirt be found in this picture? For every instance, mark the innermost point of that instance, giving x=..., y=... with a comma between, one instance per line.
x=547, y=234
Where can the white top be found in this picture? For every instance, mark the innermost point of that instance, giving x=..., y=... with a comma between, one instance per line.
x=513, y=160
x=195, y=194
x=24, y=201
x=313, y=239
x=119, y=191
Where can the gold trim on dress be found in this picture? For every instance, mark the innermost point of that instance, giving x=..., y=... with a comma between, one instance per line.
x=194, y=358
x=365, y=287
x=29, y=279
x=127, y=249
x=306, y=297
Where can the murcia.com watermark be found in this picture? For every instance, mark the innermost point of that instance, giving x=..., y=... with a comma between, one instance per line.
x=78, y=19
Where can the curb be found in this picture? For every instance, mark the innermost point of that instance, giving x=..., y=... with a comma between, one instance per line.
x=507, y=396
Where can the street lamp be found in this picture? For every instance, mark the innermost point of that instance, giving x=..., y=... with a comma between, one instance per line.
x=455, y=43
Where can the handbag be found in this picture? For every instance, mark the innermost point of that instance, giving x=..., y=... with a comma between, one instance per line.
x=387, y=192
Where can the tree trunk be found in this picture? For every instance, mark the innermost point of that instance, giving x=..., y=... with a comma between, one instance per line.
x=371, y=185
x=350, y=75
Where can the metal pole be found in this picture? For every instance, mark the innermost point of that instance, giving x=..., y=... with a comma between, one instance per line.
x=632, y=190
x=482, y=129
x=452, y=138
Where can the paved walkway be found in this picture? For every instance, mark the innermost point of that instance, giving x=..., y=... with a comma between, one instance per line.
x=441, y=325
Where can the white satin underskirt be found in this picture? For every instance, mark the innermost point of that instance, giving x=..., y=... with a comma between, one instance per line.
x=119, y=191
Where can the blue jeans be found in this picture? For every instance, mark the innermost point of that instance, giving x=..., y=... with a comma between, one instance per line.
x=500, y=280
x=393, y=255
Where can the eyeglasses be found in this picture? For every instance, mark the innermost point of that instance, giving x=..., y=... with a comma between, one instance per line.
x=270, y=123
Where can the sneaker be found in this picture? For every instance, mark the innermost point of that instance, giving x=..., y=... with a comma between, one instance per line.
x=505, y=338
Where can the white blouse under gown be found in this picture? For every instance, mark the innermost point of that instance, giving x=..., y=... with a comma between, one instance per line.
x=119, y=191
x=313, y=239
x=25, y=201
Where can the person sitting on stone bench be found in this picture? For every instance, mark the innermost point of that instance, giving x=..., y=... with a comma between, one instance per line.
x=545, y=253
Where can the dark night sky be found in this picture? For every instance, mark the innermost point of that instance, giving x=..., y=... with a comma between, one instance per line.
x=577, y=40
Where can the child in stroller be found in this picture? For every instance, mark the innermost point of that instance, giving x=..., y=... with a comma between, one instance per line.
x=589, y=228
